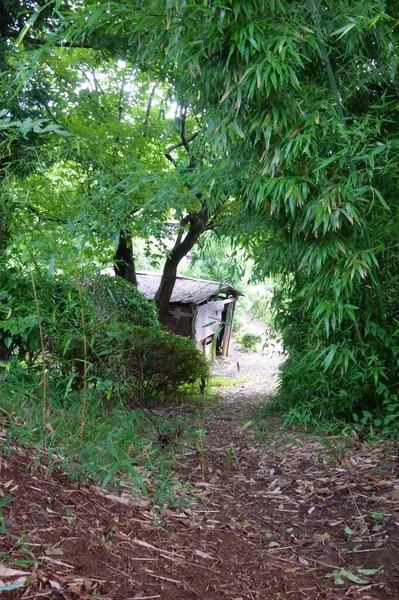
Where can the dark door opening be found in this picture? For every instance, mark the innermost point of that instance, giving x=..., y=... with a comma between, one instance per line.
x=222, y=330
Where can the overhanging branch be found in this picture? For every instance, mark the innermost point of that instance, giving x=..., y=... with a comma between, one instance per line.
x=180, y=144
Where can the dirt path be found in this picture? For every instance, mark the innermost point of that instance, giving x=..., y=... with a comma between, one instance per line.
x=268, y=520
x=256, y=371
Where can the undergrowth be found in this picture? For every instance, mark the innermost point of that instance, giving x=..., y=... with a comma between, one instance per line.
x=117, y=444
x=227, y=381
x=302, y=417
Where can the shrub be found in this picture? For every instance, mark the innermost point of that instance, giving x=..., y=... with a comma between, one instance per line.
x=110, y=306
x=158, y=363
x=116, y=298
x=311, y=392
x=127, y=351
x=250, y=340
x=19, y=333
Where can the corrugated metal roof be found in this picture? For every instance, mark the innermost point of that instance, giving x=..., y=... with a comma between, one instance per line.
x=187, y=290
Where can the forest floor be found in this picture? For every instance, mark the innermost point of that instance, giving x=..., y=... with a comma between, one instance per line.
x=285, y=516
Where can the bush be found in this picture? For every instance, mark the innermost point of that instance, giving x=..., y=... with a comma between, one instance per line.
x=329, y=379
x=111, y=306
x=144, y=364
x=158, y=363
x=19, y=332
x=310, y=395
x=127, y=351
x=250, y=340
x=106, y=304
x=115, y=298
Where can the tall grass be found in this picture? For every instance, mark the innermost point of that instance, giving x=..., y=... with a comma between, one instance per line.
x=116, y=444
x=43, y=351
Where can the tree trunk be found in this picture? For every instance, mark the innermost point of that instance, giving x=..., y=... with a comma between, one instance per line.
x=165, y=290
x=124, y=260
x=5, y=352
x=198, y=223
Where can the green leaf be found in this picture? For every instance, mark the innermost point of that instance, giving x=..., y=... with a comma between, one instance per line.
x=352, y=577
x=330, y=357
x=339, y=574
x=344, y=30
x=336, y=576
x=369, y=571
x=51, y=266
x=381, y=199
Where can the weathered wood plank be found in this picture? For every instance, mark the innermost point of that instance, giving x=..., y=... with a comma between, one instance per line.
x=208, y=318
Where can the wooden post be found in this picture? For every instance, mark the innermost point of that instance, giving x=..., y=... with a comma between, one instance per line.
x=228, y=328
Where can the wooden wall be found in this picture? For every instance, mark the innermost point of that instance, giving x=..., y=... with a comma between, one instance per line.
x=208, y=324
x=207, y=319
x=181, y=320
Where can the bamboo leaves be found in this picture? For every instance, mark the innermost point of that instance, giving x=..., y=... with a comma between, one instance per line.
x=296, y=113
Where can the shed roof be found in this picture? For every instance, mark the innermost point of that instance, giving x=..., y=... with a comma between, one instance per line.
x=187, y=290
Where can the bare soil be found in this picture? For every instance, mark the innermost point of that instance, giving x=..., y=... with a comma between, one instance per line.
x=257, y=372
x=292, y=517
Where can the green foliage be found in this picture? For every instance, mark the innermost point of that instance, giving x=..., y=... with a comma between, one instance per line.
x=159, y=363
x=215, y=259
x=260, y=303
x=128, y=354
x=19, y=331
x=307, y=110
x=116, y=445
x=110, y=307
x=291, y=112
x=309, y=396
x=250, y=340
x=116, y=299
x=108, y=303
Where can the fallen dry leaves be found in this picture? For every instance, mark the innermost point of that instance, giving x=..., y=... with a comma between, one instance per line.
x=281, y=520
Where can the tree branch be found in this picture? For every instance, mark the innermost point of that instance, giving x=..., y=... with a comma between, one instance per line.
x=97, y=85
x=180, y=144
x=148, y=112
x=120, y=108
x=40, y=215
x=171, y=159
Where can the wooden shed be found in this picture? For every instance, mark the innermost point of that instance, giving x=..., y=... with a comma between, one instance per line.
x=200, y=309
